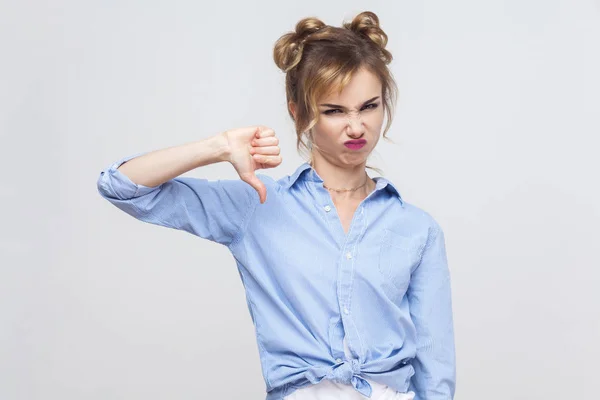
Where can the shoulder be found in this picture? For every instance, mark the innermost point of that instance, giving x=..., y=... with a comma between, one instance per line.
x=284, y=181
x=273, y=185
x=267, y=179
x=420, y=217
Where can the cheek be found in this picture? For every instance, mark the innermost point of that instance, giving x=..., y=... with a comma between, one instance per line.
x=374, y=119
x=328, y=124
x=325, y=128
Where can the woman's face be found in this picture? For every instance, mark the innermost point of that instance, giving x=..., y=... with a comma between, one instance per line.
x=356, y=115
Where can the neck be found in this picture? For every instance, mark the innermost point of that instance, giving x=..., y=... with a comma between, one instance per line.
x=339, y=177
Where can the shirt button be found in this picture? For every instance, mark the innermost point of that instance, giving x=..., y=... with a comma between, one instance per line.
x=346, y=311
x=348, y=255
x=327, y=208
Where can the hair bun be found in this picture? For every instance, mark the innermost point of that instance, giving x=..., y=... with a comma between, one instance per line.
x=288, y=48
x=308, y=26
x=367, y=24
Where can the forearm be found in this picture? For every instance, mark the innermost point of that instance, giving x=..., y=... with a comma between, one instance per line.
x=159, y=166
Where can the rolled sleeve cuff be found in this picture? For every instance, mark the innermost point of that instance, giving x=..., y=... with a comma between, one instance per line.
x=112, y=183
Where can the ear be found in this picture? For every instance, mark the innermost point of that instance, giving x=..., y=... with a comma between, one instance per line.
x=292, y=108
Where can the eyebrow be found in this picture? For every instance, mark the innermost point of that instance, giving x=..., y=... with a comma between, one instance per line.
x=338, y=106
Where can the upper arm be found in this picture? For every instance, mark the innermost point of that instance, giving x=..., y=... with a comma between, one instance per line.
x=216, y=210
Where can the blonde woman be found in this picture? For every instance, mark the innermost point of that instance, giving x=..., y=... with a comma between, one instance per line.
x=347, y=284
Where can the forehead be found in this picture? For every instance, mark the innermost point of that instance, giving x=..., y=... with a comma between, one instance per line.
x=362, y=85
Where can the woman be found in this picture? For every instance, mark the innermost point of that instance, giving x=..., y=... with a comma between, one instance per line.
x=346, y=283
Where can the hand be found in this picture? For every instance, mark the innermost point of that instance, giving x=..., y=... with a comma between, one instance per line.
x=253, y=148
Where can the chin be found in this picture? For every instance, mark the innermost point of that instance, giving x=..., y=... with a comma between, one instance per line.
x=355, y=160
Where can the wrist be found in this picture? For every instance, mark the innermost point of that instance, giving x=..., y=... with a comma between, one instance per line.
x=220, y=145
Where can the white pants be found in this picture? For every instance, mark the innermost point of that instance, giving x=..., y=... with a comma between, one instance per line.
x=329, y=390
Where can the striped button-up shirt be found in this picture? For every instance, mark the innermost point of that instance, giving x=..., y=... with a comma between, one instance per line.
x=384, y=285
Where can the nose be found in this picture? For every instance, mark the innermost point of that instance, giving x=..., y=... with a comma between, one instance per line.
x=355, y=124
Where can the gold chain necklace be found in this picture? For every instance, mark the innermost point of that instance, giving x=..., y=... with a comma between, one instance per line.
x=346, y=190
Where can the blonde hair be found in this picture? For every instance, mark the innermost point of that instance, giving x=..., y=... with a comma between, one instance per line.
x=318, y=58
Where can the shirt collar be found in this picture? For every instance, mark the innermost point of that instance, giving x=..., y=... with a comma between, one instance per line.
x=306, y=172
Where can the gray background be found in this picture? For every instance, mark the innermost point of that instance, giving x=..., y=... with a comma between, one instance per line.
x=496, y=136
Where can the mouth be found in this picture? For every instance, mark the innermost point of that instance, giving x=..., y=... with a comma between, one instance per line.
x=355, y=144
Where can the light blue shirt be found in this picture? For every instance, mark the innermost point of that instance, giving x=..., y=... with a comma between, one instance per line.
x=385, y=285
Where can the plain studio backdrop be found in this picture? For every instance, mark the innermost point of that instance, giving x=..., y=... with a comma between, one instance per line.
x=496, y=135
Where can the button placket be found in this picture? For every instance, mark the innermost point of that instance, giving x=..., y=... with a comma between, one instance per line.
x=346, y=277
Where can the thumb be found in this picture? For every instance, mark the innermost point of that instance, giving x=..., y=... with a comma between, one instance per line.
x=258, y=185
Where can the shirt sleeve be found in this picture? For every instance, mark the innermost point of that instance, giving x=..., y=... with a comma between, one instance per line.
x=430, y=304
x=217, y=210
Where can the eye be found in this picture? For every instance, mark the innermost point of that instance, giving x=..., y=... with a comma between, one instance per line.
x=368, y=106
x=371, y=106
